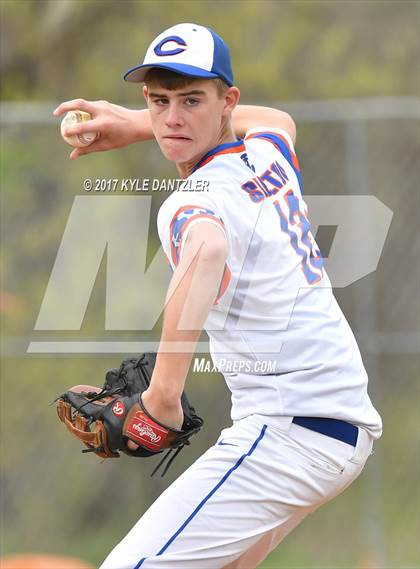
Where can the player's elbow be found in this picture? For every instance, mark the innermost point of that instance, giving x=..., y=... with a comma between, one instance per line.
x=289, y=126
x=280, y=119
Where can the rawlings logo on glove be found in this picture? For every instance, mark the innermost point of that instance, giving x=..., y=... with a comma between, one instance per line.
x=106, y=419
x=118, y=409
x=143, y=430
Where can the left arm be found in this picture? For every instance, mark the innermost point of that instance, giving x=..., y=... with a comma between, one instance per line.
x=245, y=117
x=191, y=294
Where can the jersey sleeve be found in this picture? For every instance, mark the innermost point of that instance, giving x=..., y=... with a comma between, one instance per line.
x=175, y=220
x=281, y=140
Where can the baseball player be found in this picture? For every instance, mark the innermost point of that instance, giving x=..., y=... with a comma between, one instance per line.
x=248, y=270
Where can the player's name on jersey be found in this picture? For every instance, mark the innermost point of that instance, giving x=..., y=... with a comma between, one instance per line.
x=267, y=183
x=129, y=185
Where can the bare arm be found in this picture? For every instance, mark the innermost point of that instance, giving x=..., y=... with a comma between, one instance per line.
x=191, y=295
x=119, y=126
x=245, y=117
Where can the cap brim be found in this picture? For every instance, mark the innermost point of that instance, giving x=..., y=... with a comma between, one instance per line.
x=138, y=73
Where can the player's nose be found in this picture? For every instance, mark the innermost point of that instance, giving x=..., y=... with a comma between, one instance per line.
x=173, y=116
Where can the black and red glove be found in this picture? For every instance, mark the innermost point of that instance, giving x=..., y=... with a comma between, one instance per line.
x=106, y=419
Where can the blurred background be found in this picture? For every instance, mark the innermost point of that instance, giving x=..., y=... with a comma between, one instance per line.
x=348, y=72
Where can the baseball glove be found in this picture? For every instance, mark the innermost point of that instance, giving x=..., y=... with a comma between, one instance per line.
x=106, y=419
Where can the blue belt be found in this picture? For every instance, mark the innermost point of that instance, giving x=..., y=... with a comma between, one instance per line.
x=340, y=430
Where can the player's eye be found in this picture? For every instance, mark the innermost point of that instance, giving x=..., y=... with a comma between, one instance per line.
x=191, y=102
x=161, y=101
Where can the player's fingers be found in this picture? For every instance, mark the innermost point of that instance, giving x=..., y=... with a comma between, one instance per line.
x=98, y=146
x=132, y=446
x=77, y=152
x=74, y=154
x=83, y=127
x=80, y=104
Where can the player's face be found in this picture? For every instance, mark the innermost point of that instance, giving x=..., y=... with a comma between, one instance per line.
x=190, y=121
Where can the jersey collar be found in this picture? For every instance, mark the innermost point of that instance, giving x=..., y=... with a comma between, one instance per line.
x=226, y=148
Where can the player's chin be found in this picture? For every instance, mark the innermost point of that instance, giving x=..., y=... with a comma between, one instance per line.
x=177, y=152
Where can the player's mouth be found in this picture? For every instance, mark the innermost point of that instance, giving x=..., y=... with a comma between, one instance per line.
x=179, y=137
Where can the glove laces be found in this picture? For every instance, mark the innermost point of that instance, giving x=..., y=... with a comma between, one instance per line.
x=165, y=457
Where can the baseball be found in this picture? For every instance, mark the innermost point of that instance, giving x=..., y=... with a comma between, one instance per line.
x=77, y=140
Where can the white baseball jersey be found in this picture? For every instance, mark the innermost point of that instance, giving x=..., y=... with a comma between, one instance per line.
x=265, y=473
x=276, y=331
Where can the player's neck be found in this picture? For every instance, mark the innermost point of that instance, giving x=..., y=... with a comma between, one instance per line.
x=226, y=135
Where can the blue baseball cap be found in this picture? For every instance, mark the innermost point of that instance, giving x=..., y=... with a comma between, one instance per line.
x=188, y=49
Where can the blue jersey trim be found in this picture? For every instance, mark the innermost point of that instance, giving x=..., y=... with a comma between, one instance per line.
x=209, y=495
x=283, y=148
x=215, y=151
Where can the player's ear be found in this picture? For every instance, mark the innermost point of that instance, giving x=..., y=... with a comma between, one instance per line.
x=145, y=92
x=231, y=97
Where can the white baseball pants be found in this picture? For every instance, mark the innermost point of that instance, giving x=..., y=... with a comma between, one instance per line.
x=241, y=498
